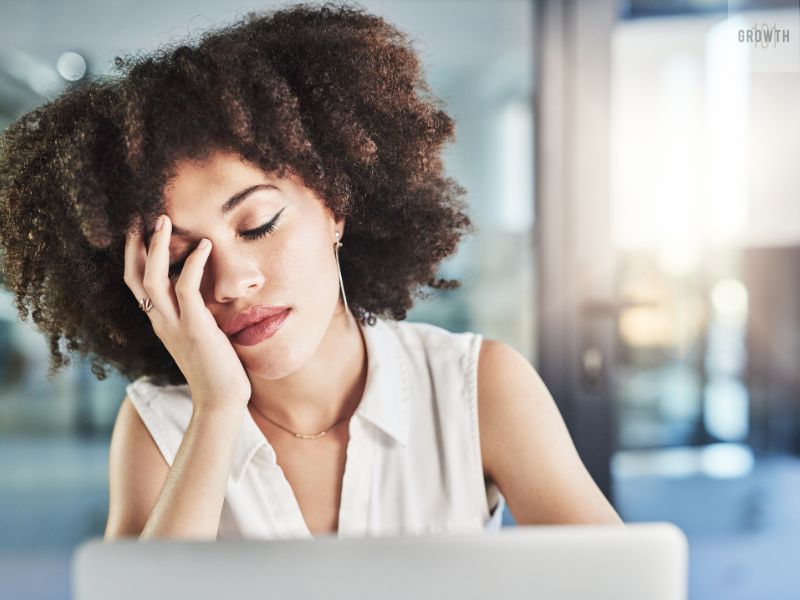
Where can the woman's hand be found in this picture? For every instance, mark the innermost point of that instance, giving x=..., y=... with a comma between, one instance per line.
x=181, y=320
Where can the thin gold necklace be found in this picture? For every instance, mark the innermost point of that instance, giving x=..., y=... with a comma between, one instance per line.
x=302, y=436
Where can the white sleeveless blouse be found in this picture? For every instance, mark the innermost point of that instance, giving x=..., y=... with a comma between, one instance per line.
x=413, y=463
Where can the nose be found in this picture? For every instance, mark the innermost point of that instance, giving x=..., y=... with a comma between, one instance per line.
x=234, y=274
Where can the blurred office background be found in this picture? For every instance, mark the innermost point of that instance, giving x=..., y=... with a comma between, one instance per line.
x=632, y=173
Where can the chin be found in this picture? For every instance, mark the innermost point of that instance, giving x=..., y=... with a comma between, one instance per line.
x=271, y=363
x=279, y=356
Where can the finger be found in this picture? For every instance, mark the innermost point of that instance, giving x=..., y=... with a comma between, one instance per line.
x=155, y=278
x=135, y=257
x=187, y=289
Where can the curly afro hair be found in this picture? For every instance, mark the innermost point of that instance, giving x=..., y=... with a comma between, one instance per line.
x=332, y=93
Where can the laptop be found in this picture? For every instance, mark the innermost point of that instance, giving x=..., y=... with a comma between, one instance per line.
x=574, y=562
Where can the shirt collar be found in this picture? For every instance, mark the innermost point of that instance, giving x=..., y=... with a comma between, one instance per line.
x=384, y=403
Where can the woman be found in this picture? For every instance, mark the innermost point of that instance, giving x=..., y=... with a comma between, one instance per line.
x=272, y=198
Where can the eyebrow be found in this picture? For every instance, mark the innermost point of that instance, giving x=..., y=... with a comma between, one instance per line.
x=229, y=205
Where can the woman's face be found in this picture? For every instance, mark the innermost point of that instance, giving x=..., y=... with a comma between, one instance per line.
x=293, y=264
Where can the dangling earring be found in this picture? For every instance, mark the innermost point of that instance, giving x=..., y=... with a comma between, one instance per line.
x=336, y=247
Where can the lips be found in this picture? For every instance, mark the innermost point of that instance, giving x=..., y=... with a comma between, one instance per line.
x=252, y=315
x=261, y=331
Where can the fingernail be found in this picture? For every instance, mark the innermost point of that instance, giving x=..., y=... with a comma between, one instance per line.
x=159, y=223
x=204, y=243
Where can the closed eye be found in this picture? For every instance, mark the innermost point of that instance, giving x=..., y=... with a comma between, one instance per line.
x=253, y=234
x=264, y=230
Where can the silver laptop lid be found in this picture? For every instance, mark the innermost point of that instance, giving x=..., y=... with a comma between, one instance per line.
x=630, y=562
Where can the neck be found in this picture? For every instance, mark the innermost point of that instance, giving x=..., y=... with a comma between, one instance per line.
x=326, y=388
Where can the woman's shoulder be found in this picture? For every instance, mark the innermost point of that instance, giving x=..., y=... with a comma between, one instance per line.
x=161, y=406
x=146, y=389
x=437, y=350
x=164, y=409
x=427, y=336
x=431, y=354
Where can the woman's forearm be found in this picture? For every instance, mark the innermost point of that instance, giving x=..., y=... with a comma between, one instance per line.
x=190, y=502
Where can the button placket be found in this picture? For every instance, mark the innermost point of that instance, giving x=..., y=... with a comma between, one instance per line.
x=357, y=481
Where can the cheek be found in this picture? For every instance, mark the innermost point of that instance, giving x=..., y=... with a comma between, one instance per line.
x=307, y=258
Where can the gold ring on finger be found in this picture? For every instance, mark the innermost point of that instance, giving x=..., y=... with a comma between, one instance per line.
x=146, y=304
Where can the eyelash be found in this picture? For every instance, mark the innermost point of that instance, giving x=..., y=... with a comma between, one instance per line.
x=254, y=234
